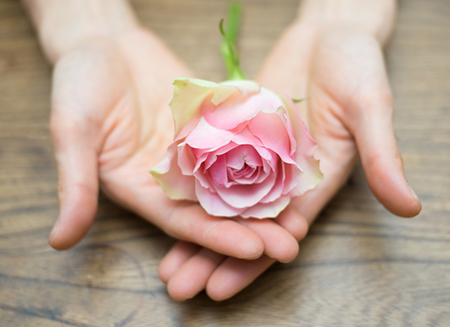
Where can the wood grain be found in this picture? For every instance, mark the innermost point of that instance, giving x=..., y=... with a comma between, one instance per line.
x=359, y=266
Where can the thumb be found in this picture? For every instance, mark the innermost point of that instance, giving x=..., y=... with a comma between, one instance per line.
x=380, y=156
x=74, y=134
x=76, y=158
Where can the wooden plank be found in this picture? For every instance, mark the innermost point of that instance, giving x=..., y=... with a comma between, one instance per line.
x=359, y=266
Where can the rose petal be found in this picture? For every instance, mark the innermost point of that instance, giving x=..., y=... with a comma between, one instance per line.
x=244, y=87
x=277, y=189
x=267, y=210
x=283, y=115
x=306, y=146
x=246, y=137
x=186, y=160
x=237, y=157
x=239, y=108
x=246, y=179
x=188, y=96
x=218, y=171
x=271, y=131
x=205, y=136
x=213, y=204
x=212, y=156
x=292, y=173
x=242, y=196
x=168, y=174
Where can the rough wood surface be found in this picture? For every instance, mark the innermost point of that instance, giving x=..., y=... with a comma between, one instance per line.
x=359, y=266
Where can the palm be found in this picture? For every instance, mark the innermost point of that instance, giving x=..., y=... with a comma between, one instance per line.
x=122, y=94
x=139, y=127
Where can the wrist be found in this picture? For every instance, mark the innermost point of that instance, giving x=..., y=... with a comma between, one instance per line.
x=376, y=17
x=63, y=26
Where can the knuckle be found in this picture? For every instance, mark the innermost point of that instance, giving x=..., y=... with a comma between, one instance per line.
x=374, y=103
x=63, y=128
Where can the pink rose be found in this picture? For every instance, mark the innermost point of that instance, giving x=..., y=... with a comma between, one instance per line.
x=239, y=149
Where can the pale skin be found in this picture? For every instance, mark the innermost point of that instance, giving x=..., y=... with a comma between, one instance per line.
x=110, y=124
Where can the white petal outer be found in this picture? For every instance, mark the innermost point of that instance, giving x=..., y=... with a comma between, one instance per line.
x=168, y=174
x=304, y=155
x=188, y=95
x=245, y=87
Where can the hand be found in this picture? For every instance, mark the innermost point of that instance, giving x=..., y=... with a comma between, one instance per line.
x=340, y=70
x=111, y=123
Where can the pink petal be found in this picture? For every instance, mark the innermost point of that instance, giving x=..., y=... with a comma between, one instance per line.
x=235, y=179
x=282, y=114
x=212, y=156
x=277, y=189
x=246, y=137
x=292, y=175
x=213, y=204
x=243, y=154
x=267, y=210
x=205, y=136
x=238, y=108
x=270, y=129
x=186, y=160
x=264, y=172
x=242, y=196
x=200, y=160
x=204, y=179
x=218, y=171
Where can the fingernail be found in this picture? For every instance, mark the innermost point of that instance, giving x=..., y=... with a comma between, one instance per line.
x=292, y=259
x=413, y=193
x=54, y=230
x=259, y=255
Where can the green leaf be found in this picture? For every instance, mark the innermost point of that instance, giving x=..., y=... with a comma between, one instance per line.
x=299, y=100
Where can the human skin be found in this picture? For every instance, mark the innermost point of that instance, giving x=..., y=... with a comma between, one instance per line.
x=110, y=124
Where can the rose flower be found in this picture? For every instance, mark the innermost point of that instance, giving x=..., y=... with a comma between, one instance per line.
x=239, y=149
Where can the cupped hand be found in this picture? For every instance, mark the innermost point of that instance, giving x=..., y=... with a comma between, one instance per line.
x=110, y=124
x=349, y=109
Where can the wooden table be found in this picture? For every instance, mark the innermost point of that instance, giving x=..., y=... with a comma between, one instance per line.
x=359, y=266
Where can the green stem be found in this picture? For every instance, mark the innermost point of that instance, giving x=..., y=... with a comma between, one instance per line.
x=228, y=46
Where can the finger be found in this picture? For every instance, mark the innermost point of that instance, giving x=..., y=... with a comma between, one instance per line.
x=77, y=181
x=189, y=222
x=175, y=258
x=233, y=275
x=85, y=88
x=349, y=66
x=191, y=278
x=380, y=156
x=279, y=244
x=294, y=222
